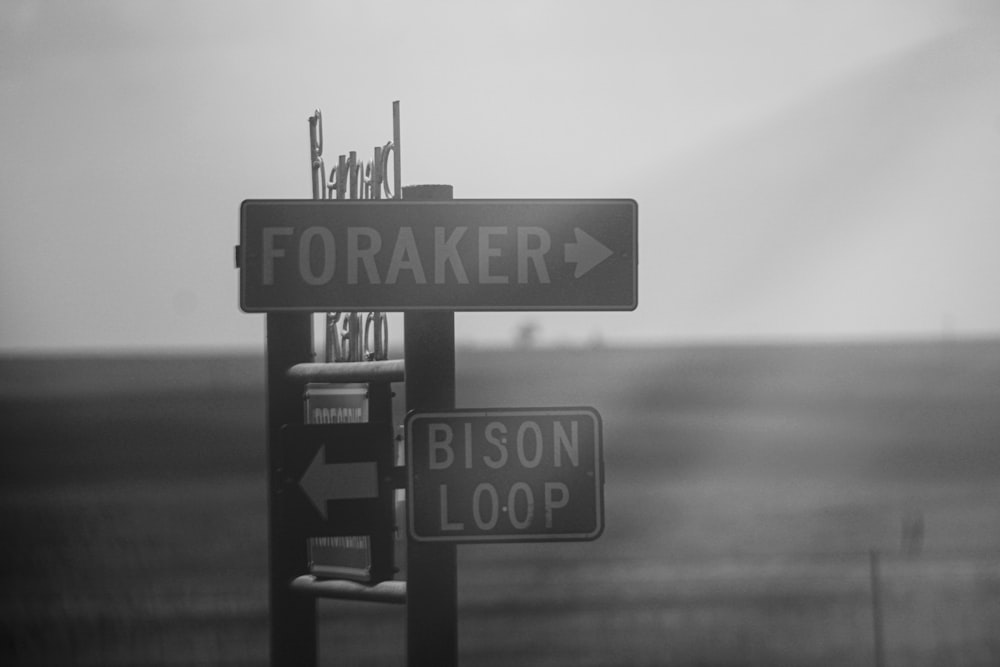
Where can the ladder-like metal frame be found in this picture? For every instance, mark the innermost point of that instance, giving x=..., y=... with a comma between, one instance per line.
x=430, y=593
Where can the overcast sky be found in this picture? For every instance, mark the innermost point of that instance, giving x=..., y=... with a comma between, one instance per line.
x=803, y=170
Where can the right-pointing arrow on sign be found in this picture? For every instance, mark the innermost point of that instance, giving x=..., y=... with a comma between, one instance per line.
x=338, y=481
x=586, y=253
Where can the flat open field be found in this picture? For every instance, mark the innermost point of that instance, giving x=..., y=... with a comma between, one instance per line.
x=746, y=488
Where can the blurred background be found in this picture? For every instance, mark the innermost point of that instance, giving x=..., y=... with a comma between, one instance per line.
x=812, y=374
x=820, y=170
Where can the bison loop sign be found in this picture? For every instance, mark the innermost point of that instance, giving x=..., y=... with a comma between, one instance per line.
x=505, y=475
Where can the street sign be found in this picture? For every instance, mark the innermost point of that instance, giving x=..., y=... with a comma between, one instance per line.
x=338, y=470
x=505, y=475
x=471, y=254
x=336, y=403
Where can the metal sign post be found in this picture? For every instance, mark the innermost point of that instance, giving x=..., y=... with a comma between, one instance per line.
x=332, y=479
x=293, y=617
x=432, y=569
x=486, y=475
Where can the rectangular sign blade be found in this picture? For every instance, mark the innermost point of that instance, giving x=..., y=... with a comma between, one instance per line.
x=505, y=475
x=463, y=254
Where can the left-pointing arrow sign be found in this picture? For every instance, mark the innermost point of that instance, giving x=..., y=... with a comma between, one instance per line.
x=338, y=481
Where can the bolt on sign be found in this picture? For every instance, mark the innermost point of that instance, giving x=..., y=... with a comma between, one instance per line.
x=472, y=254
x=505, y=475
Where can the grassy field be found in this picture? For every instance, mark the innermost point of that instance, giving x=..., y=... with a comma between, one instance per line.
x=746, y=488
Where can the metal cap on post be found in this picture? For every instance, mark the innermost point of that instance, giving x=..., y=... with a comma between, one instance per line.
x=432, y=577
x=435, y=192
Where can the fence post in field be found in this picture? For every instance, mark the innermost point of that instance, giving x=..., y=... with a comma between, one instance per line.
x=876, y=586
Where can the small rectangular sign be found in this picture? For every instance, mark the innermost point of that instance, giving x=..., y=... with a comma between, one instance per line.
x=335, y=403
x=340, y=556
x=462, y=254
x=505, y=475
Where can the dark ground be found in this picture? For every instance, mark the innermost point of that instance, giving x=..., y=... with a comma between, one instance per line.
x=745, y=489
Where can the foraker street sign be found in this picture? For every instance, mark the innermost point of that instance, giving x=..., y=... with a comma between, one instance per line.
x=505, y=475
x=463, y=254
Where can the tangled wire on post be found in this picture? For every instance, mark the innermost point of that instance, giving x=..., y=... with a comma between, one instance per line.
x=353, y=179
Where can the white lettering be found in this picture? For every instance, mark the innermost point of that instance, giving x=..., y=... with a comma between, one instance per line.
x=445, y=523
x=468, y=446
x=350, y=542
x=486, y=251
x=337, y=415
x=551, y=503
x=366, y=256
x=571, y=443
x=446, y=252
x=440, y=437
x=525, y=461
x=405, y=256
x=494, y=512
x=529, y=498
x=536, y=254
x=270, y=253
x=499, y=442
x=327, y=253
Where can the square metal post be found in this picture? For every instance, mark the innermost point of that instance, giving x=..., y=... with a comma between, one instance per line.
x=432, y=571
x=292, y=617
